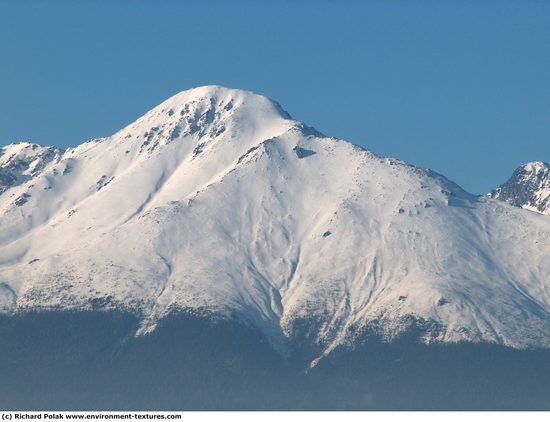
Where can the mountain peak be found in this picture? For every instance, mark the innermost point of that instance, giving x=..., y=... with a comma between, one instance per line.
x=23, y=160
x=208, y=113
x=528, y=187
x=222, y=96
x=535, y=167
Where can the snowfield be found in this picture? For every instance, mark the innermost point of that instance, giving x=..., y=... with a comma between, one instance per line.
x=217, y=202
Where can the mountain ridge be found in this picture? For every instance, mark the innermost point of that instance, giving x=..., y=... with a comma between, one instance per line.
x=218, y=202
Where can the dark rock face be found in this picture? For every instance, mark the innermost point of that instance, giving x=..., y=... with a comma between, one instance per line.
x=529, y=187
x=91, y=360
x=302, y=152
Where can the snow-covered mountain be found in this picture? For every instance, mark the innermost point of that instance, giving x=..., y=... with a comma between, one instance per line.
x=529, y=188
x=23, y=161
x=217, y=202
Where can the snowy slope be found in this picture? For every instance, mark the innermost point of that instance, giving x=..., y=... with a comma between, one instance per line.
x=217, y=202
x=528, y=187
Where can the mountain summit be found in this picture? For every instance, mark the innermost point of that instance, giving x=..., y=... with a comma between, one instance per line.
x=528, y=188
x=218, y=203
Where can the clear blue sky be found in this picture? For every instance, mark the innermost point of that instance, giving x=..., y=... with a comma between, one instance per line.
x=462, y=87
